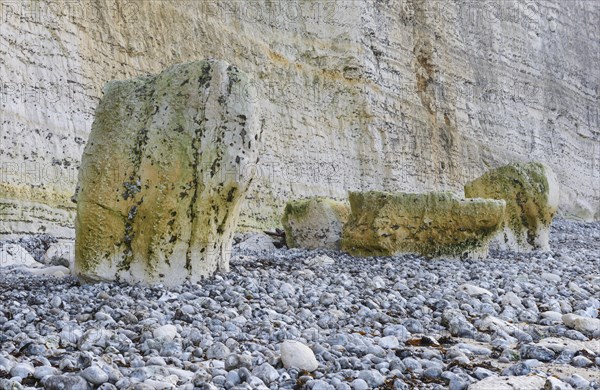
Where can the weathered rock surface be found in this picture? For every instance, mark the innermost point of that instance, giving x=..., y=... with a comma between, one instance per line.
x=163, y=177
x=531, y=192
x=510, y=383
x=364, y=94
x=315, y=223
x=582, y=324
x=432, y=224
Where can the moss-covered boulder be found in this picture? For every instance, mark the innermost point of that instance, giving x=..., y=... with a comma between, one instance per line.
x=315, y=223
x=162, y=176
x=433, y=224
x=531, y=193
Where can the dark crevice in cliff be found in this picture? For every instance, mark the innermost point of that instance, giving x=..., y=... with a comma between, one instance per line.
x=439, y=118
x=203, y=83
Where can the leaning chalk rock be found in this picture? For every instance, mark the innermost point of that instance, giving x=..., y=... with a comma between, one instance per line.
x=531, y=194
x=16, y=255
x=163, y=175
x=60, y=253
x=315, y=223
x=432, y=224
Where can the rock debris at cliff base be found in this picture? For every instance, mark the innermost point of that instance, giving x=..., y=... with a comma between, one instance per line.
x=390, y=322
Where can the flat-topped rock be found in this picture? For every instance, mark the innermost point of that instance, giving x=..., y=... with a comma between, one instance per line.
x=531, y=194
x=163, y=177
x=431, y=224
x=315, y=223
x=509, y=383
x=582, y=324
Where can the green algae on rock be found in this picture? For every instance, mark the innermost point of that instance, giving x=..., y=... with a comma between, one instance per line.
x=315, y=223
x=435, y=224
x=531, y=193
x=162, y=176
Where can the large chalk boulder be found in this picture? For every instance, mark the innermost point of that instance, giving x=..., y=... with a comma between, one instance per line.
x=315, y=223
x=163, y=175
x=432, y=224
x=531, y=192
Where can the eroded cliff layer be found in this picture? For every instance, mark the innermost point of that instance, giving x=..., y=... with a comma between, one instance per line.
x=356, y=95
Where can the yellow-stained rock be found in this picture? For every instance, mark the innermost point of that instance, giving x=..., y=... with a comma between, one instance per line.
x=162, y=176
x=315, y=223
x=432, y=224
x=531, y=193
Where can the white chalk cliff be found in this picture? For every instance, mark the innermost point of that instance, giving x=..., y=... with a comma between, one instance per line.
x=407, y=95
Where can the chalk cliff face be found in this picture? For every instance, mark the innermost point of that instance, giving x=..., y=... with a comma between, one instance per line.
x=355, y=95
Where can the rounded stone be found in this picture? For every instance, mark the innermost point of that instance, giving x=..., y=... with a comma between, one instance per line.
x=297, y=355
x=95, y=375
x=168, y=332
